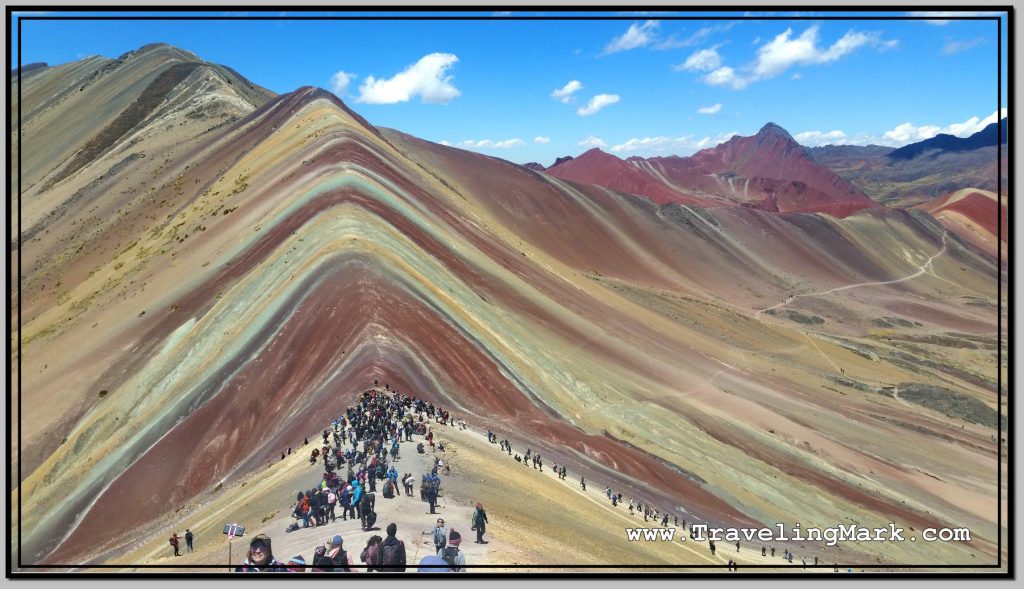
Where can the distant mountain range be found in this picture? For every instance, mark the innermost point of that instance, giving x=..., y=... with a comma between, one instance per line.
x=921, y=171
x=942, y=142
x=769, y=171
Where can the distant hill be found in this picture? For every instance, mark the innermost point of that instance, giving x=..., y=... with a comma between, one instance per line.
x=769, y=171
x=903, y=177
x=987, y=137
x=39, y=65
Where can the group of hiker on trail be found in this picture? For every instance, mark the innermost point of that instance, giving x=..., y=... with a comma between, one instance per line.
x=373, y=427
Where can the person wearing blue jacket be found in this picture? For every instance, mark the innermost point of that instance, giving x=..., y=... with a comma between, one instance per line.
x=357, y=494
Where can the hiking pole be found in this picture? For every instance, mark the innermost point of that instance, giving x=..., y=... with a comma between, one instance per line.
x=417, y=553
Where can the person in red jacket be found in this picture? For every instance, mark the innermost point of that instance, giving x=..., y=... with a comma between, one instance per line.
x=174, y=543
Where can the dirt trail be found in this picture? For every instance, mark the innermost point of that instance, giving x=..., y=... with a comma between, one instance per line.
x=923, y=268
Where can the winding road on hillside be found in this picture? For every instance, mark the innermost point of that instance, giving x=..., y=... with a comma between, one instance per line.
x=921, y=270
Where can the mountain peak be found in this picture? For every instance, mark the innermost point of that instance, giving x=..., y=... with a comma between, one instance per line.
x=771, y=129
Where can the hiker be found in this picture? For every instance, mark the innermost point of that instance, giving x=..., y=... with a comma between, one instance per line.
x=346, y=503
x=393, y=551
x=409, y=481
x=357, y=496
x=371, y=555
x=452, y=555
x=334, y=558
x=737, y=546
x=479, y=522
x=301, y=509
x=763, y=551
x=773, y=550
x=711, y=545
x=188, y=539
x=440, y=535
x=366, y=510
x=260, y=558
x=432, y=487
x=433, y=564
x=583, y=483
x=174, y=543
x=332, y=502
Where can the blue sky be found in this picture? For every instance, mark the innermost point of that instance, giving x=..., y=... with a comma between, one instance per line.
x=534, y=90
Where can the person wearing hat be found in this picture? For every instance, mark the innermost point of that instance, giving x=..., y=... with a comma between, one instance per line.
x=480, y=522
x=440, y=535
x=296, y=564
x=261, y=557
x=452, y=555
x=433, y=564
x=333, y=559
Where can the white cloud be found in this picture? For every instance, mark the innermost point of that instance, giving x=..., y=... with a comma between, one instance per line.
x=889, y=45
x=592, y=141
x=704, y=60
x=908, y=133
x=941, y=18
x=726, y=76
x=426, y=78
x=685, y=145
x=710, y=110
x=636, y=36
x=674, y=42
x=796, y=76
x=339, y=83
x=565, y=93
x=487, y=143
x=445, y=142
x=542, y=139
x=956, y=46
x=781, y=53
x=597, y=103
x=899, y=135
x=816, y=138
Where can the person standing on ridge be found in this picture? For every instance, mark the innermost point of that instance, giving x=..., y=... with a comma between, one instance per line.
x=440, y=535
x=174, y=543
x=479, y=522
x=188, y=539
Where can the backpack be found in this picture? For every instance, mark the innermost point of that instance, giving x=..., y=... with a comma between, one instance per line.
x=340, y=561
x=449, y=554
x=371, y=520
x=390, y=552
x=389, y=491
